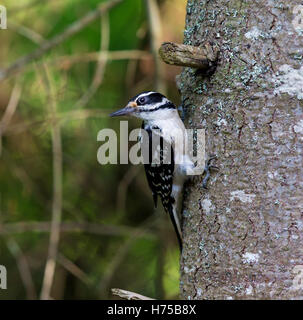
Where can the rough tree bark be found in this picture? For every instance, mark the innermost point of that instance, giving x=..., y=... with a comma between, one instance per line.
x=243, y=236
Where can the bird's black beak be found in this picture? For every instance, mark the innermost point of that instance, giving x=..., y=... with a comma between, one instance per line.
x=130, y=108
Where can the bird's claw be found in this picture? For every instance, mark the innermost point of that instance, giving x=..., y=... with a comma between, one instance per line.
x=207, y=169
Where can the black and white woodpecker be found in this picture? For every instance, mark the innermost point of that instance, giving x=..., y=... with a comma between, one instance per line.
x=165, y=178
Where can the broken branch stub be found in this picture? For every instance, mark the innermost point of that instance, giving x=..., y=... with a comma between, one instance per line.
x=188, y=56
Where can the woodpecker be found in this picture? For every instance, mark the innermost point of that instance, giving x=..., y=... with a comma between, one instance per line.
x=165, y=178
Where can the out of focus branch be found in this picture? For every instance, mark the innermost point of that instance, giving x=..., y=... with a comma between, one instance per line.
x=128, y=295
x=9, y=111
x=130, y=74
x=102, y=59
x=81, y=227
x=55, y=41
x=73, y=269
x=68, y=60
x=57, y=191
x=155, y=30
x=23, y=268
x=60, y=117
x=26, y=32
x=16, y=93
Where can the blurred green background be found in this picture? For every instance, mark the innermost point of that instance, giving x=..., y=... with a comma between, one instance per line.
x=53, y=108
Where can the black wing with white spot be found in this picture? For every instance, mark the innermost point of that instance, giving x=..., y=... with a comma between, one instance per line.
x=159, y=175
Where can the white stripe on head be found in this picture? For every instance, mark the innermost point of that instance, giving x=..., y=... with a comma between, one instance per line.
x=145, y=94
x=156, y=105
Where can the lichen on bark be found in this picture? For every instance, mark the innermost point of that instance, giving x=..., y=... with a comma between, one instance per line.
x=243, y=236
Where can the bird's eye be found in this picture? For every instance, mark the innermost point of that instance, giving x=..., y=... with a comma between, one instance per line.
x=141, y=100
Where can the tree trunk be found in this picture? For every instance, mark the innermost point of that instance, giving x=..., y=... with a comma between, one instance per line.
x=243, y=236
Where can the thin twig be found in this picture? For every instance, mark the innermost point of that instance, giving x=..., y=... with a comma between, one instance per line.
x=26, y=32
x=86, y=227
x=60, y=117
x=16, y=93
x=9, y=111
x=23, y=268
x=128, y=295
x=55, y=41
x=73, y=269
x=22, y=263
x=130, y=74
x=102, y=60
x=57, y=193
x=68, y=60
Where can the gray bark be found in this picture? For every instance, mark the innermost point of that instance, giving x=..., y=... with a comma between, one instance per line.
x=243, y=236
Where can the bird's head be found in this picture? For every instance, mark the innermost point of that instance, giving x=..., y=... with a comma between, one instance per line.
x=148, y=106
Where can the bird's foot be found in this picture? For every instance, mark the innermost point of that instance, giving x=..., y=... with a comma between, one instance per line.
x=207, y=169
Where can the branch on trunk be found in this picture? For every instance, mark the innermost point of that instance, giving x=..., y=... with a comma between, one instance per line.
x=203, y=58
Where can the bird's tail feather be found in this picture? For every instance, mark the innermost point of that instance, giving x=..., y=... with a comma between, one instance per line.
x=176, y=223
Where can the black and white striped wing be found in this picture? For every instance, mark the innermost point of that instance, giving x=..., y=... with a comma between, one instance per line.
x=159, y=175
